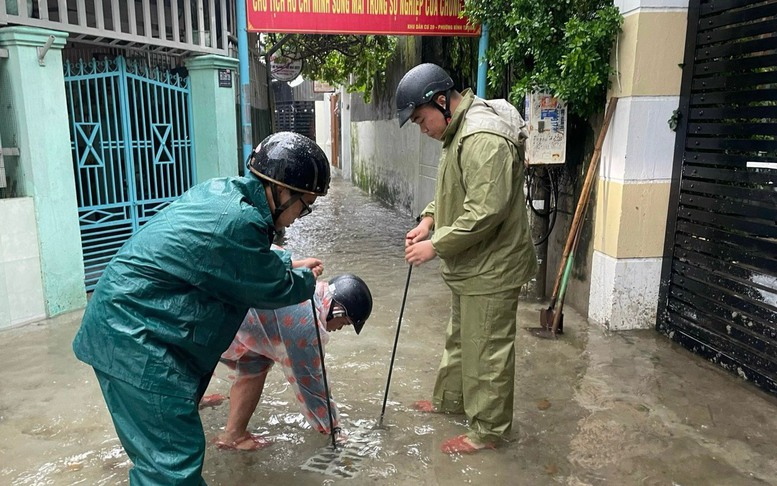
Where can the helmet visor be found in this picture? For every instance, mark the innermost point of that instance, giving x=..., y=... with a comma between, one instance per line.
x=357, y=325
x=405, y=113
x=343, y=312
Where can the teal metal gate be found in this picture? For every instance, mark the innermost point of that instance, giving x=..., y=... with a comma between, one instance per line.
x=131, y=141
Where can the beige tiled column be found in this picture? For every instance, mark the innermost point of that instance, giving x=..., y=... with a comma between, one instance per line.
x=636, y=167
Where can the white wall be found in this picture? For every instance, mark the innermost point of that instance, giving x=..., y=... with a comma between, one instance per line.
x=21, y=287
x=324, y=126
x=397, y=165
x=345, y=133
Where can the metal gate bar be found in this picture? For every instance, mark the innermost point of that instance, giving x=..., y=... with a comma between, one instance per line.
x=131, y=146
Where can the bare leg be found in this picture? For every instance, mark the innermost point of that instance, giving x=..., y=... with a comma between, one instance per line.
x=244, y=396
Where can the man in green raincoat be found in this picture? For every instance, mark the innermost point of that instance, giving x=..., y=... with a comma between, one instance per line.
x=172, y=299
x=481, y=234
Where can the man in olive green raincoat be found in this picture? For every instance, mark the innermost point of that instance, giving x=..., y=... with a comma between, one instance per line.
x=481, y=234
x=172, y=299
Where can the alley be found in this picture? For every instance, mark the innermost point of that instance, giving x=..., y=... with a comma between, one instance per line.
x=591, y=408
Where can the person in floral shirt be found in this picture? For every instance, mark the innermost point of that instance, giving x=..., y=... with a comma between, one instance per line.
x=287, y=336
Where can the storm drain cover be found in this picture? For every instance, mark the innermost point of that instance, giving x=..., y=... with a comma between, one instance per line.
x=344, y=461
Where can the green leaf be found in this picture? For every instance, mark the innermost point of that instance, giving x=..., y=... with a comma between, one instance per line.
x=559, y=46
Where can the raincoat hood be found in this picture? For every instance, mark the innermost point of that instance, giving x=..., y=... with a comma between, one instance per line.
x=491, y=116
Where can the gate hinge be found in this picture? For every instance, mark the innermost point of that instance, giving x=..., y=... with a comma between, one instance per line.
x=3, y=53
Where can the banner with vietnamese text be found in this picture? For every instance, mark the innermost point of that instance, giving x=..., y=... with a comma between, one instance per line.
x=382, y=17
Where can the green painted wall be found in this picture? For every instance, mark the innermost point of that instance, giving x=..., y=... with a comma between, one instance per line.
x=213, y=117
x=35, y=103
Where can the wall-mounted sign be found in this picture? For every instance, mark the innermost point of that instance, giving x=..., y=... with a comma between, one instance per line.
x=225, y=78
x=547, y=117
x=284, y=68
x=383, y=17
x=322, y=87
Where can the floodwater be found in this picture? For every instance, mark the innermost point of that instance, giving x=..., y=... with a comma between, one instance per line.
x=591, y=408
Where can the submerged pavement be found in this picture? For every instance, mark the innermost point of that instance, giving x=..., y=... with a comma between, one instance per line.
x=590, y=408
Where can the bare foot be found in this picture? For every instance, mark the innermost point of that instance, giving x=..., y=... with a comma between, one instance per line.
x=247, y=442
x=464, y=445
x=424, y=406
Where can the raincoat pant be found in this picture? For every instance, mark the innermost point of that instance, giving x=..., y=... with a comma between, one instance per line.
x=477, y=369
x=165, y=448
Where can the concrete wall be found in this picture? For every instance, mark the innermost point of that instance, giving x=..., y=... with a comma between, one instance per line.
x=398, y=166
x=346, y=159
x=33, y=102
x=21, y=286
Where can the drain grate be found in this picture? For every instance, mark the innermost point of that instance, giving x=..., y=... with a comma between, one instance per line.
x=344, y=462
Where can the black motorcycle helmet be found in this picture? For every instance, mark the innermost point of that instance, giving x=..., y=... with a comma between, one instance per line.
x=418, y=86
x=351, y=294
x=291, y=160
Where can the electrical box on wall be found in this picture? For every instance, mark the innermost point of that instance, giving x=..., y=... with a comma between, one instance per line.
x=547, y=119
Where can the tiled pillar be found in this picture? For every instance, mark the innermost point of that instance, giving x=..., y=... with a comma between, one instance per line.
x=213, y=116
x=34, y=100
x=636, y=167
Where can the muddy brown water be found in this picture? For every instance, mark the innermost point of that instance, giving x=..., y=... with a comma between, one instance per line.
x=590, y=408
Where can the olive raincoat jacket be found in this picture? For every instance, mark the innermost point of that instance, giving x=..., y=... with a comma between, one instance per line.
x=481, y=228
x=172, y=299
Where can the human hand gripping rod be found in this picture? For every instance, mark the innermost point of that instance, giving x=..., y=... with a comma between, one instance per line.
x=396, y=340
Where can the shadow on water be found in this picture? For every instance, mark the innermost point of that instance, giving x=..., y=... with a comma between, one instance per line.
x=590, y=408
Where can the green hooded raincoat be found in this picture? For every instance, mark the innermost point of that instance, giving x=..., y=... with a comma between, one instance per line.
x=173, y=297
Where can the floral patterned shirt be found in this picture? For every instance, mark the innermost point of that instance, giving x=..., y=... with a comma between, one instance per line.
x=287, y=336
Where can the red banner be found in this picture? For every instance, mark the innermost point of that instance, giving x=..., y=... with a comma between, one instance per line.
x=382, y=17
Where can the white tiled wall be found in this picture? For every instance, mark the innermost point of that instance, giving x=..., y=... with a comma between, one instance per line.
x=640, y=145
x=21, y=288
x=624, y=292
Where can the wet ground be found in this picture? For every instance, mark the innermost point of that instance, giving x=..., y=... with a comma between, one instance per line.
x=591, y=408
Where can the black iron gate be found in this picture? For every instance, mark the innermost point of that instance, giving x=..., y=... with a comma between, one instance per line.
x=719, y=282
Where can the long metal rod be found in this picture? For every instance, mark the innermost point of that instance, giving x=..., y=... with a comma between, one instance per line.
x=396, y=340
x=323, y=372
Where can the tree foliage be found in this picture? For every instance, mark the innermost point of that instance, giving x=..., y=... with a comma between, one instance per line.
x=355, y=61
x=560, y=46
